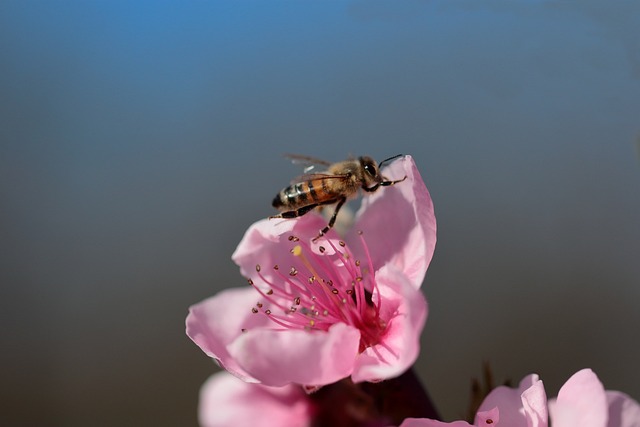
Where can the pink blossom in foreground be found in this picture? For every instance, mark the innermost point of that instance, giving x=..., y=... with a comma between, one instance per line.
x=525, y=406
x=321, y=311
x=226, y=401
x=582, y=402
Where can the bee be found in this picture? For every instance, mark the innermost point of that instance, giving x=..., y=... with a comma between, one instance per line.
x=338, y=183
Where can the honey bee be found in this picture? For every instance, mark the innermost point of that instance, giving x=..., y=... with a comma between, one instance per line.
x=338, y=183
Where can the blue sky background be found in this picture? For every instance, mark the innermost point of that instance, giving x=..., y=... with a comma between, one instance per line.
x=138, y=140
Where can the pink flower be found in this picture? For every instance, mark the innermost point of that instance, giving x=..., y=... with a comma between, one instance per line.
x=582, y=402
x=226, y=401
x=525, y=406
x=319, y=312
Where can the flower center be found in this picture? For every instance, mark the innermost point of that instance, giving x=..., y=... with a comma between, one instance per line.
x=321, y=288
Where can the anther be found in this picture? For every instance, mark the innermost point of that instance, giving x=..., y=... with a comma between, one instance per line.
x=341, y=243
x=254, y=310
x=257, y=267
x=321, y=249
x=293, y=271
x=297, y=300
x=267, y=312
x=357, y=263
x=270, y=292
x=250, y=282
x=275, y=267
x=334, y=291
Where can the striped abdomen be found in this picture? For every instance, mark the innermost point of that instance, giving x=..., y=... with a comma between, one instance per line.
x=314, y=191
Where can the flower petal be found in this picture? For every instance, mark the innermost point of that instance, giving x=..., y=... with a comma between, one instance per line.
x=623, y=410
x=402, y=220
x=534, y=401
x=279, y=357
x=217, y=321
x=581, y=402
x=490, y=418
x=227, y=401
x=266, y=243
x=404, y=308
x=524, y=406
x=425, y=422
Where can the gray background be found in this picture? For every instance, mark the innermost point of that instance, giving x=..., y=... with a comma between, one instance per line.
x=139, y=140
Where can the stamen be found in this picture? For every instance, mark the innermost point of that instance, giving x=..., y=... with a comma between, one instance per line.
x=323, y=289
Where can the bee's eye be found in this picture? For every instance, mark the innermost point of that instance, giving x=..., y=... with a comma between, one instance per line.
x=370, y=169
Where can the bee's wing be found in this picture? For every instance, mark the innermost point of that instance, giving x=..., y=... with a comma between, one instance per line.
x=309, y=163
x=319, y=175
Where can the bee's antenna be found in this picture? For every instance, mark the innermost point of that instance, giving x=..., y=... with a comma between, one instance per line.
x=389, y=159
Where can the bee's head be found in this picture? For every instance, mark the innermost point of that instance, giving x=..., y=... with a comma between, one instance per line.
x=370, y=171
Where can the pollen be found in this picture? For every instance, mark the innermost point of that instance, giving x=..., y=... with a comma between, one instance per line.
x=297, y=250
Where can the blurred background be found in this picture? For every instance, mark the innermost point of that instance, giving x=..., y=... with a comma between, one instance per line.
x=140, y=139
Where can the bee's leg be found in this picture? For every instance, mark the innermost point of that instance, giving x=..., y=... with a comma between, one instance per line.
x=388, y=183
x=332, y=220
x=296, y=213
x=382, y=184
